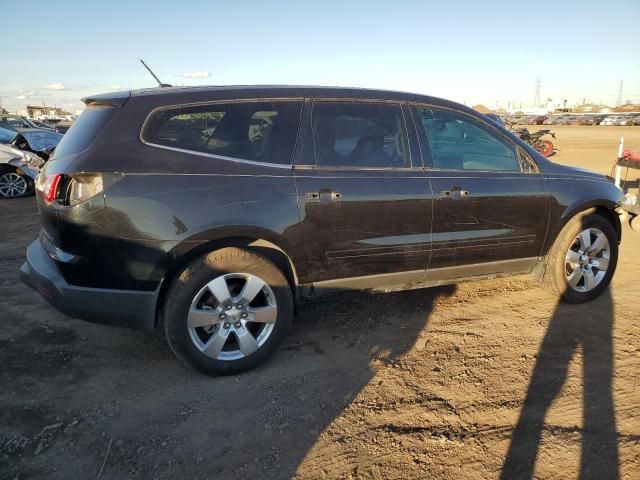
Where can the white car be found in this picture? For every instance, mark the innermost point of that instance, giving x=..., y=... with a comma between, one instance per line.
x=616, y=120
x=18, y=170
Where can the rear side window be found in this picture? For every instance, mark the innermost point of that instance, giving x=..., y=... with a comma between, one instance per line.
x=84, y=131
x=257, y=131
x=360, y=135
x=457, y=142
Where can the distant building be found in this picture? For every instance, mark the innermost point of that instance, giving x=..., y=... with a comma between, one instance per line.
x=589, y=108
x=37, y=111
x=628, y=107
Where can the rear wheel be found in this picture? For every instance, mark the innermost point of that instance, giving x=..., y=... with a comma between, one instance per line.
x=545, y=147
x=583, y=259
x=228, y=311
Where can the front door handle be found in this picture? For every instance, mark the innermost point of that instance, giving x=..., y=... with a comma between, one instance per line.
x=324, y=196
x=456, y=193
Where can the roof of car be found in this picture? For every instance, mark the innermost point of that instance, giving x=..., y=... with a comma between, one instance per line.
x=285, y=90
x=176, y=95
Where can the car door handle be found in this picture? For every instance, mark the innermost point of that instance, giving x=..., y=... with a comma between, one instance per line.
x=324, y=196
x=456, y=193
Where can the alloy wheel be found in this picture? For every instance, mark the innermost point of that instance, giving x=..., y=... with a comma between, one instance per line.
x=12, y=185
x=232, y=316
x=587, y=260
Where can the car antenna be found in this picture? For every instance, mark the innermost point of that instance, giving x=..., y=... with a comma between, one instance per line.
x=160, y=84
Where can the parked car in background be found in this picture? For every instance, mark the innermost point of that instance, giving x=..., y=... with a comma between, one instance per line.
x=18, y=167
x=40, y=141
x=617, y=120
x=16, y=121
x=62, y=127
x=586, y=120
x=40, y=124
x=175, y=208
x=625, y=120
x=7, y=134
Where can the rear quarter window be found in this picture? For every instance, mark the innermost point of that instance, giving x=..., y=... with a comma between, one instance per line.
x=260, y=131
x=84, y=131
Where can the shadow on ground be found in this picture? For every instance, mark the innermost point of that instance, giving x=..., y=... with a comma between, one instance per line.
x=569, y=332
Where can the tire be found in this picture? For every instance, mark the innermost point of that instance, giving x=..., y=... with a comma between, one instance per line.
x=15, y=185
x=559, y=271
x=206, y=323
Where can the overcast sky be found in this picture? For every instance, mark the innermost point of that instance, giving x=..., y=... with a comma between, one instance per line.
x=58, y=52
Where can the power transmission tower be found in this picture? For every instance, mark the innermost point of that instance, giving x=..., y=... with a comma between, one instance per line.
x=536, y=98
x=619, y=100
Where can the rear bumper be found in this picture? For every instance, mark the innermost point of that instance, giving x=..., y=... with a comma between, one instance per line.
x=123, y=308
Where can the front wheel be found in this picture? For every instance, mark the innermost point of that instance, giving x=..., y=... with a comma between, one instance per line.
x=15, y=185
x=583, y=259
x=544, y=147
x=227, y=311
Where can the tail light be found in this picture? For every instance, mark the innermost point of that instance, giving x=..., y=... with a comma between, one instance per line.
x=70, y=190
x=50, y=188
x=82, y=187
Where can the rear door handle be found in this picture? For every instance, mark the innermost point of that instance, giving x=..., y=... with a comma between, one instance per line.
x=456, y=193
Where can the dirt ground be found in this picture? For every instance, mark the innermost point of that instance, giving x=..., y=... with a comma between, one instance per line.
x=478, y=381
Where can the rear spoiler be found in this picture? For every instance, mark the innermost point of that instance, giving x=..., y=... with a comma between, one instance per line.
x=113, y=99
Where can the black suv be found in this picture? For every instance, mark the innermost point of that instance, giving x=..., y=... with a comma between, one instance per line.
x=209, y=212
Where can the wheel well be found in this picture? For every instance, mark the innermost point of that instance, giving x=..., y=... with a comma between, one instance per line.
x=261, y=246
x=612, y=217
x=6, y=167
x=604, y=211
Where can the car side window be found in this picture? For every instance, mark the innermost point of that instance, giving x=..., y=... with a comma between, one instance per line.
x=457, y=142
x=257, y=131
x=359, y=134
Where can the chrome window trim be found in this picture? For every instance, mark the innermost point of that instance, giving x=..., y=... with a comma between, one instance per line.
x=346, y=168
x=213, y=155
x=288, y=166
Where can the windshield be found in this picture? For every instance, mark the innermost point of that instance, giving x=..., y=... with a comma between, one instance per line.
x=40, y=140
x=14, y=121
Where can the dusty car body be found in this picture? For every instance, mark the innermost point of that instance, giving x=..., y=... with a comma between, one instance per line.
x=209, y=212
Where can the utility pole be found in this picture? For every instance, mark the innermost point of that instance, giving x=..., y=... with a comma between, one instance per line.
x=536, y=98
x=619, y=100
